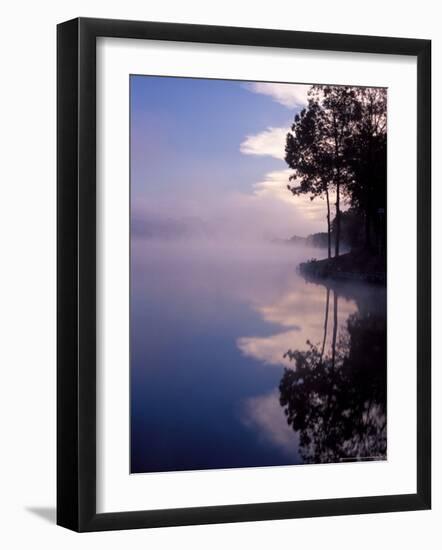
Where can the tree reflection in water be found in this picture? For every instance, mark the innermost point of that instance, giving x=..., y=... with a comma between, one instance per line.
x=336, y=400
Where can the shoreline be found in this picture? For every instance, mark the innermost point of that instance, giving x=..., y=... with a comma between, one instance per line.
x=352, y=266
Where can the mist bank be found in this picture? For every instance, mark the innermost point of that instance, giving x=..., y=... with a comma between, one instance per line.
x=230, y=216
x=187, y=230
x=315, y=240
x=229, y=249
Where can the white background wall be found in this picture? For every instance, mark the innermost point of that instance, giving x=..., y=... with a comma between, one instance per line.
x=27, y=273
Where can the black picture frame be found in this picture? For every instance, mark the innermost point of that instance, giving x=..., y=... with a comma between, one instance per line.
x=76, y=273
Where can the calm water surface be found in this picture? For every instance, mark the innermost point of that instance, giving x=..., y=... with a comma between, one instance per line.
x=211, y=325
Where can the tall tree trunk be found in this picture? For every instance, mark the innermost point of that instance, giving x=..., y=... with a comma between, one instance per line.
x=338, y=183
x=329, y=407
x=335, y=326
x=338, y=218
x=327, y=301
x=328, y=222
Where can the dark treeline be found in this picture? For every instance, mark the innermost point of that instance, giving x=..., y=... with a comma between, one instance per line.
x=337, y=148
x=351, y=233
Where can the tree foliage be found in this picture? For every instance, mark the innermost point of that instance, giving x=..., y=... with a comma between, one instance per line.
x=338, y=142
x=337, y=401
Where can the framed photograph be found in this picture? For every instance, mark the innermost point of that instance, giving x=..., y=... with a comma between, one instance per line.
x=243, y=274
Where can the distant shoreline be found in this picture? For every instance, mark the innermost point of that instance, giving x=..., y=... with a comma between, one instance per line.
x=314, y=240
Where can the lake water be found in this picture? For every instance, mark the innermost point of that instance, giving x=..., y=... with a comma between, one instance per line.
x=211, y=324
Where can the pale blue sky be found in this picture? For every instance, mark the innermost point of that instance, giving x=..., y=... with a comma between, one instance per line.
x=201, y=147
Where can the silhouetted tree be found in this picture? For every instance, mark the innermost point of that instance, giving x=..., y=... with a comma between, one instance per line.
x=337, y=114
x=337, y=401
x=366, y=155
x=339, y=141
x=309, y=157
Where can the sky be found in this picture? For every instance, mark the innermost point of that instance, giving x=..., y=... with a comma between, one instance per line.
x=213, y=151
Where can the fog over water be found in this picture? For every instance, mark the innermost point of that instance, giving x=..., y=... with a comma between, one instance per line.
x=211, y=321
x=236, y=359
